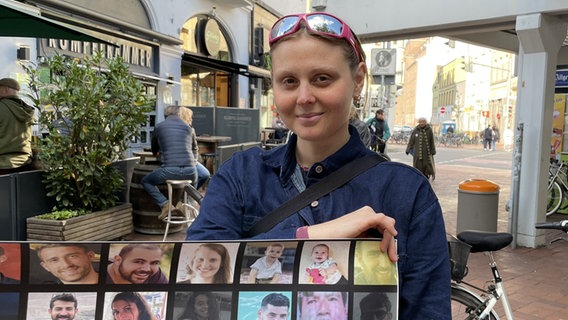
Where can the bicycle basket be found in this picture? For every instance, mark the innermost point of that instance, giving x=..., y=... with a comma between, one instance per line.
x=459, y=253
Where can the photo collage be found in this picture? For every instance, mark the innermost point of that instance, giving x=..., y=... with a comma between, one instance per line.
x=280, y=279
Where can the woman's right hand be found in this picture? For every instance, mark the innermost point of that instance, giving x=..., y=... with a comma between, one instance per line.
x=358, y=224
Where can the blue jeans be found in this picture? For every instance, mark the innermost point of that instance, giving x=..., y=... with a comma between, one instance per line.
x=202, y=174
x=160, y=175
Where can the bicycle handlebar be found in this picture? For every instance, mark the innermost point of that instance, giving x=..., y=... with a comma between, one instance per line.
x=561, y=225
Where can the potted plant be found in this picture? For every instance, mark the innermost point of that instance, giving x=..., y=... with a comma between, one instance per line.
x=90, y=109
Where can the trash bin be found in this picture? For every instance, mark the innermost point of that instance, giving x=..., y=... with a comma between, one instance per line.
x=478, y=202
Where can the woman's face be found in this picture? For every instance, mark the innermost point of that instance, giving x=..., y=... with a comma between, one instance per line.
x=205, y=264
x=124, y=310
x=201, y=307
x=314, y=87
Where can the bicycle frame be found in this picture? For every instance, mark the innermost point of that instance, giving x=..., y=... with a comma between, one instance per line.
x=490, y=296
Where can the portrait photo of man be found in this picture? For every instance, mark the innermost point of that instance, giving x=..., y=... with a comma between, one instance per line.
x=372, y=266
x=262, y=305
x=65, y=263
x=322, y=305
x=375, y=305
x=61, y=305
x=10, y=266
x=138, y=263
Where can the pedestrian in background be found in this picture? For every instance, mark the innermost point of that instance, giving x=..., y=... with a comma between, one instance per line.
x=318, y=69
x=421, y=145
x=16, y=119
x=487, y=138
x=380, y=132
x=361, y=127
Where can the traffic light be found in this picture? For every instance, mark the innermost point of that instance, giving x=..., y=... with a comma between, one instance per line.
x=510, y=110
x=466, y=64
x=258, y=49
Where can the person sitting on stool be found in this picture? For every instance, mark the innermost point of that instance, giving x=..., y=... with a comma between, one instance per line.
x=172, y=140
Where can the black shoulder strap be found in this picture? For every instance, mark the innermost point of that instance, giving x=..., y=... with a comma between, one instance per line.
x=316, y=191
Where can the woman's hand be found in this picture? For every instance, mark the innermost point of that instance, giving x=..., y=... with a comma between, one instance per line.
x=358, y=224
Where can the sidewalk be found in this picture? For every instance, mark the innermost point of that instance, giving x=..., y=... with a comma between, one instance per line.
x=536, y=280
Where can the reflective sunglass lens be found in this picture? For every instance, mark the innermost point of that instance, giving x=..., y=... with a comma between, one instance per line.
x=284, y=26
x=325, y=24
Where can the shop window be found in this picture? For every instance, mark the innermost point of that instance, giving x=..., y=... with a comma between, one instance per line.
x=205, y=86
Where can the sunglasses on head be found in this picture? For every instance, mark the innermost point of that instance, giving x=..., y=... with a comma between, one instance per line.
x=319, y=23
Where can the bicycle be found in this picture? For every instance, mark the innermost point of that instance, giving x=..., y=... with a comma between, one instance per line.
x=557, y=186
x=469, y=301
x=560, y=225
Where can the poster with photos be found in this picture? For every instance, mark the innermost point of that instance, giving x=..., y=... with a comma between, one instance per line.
x=232, y=280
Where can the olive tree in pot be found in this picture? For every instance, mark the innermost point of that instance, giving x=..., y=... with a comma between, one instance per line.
x=90, y=109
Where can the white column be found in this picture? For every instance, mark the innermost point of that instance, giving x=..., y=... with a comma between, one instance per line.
x=540, y=38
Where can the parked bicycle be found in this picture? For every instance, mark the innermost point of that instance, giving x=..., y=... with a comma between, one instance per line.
x=560, y=225
x=557, y=188
x=470, y=301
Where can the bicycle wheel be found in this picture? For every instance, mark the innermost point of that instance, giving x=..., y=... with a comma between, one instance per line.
x=466, y=305
x=554, y=198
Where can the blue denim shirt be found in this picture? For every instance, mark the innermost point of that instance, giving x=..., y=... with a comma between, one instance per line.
x=254, y=182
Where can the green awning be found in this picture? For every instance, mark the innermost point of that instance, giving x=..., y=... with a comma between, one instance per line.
x=21, y=20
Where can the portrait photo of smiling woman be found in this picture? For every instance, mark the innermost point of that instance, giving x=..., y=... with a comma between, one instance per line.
x=207, y=263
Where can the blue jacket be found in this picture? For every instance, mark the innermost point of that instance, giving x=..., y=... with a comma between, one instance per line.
x=173, y=139
x=254, y=182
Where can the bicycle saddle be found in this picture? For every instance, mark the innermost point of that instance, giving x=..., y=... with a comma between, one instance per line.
x=481, y=241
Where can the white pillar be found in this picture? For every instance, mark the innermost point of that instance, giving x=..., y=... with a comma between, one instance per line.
x=540, y=38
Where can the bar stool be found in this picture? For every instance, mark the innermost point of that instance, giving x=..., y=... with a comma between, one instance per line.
x=188, y=210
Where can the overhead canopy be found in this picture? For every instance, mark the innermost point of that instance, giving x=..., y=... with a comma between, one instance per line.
x=20, y=20
x=214, y=64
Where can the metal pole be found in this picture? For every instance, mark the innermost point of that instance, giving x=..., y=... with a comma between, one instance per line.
x=517, y=156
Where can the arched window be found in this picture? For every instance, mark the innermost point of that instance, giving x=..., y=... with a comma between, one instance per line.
x=206, y=75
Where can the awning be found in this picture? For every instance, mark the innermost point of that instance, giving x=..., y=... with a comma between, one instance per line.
x=214, y=64
x=21, y=20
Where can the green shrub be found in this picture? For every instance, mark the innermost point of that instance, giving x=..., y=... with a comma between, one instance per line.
x=91, y=109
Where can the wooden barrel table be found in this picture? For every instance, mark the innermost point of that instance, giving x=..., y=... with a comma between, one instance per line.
x=145, y=211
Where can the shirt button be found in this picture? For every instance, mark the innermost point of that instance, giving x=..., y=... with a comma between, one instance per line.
x=319, y=169
x=314, y=204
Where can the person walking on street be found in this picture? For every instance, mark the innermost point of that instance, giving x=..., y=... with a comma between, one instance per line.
x=361, y=127
x=380, y=132
x=496, y=137
x=487, y=138
x=15, y=129
x=421, y=145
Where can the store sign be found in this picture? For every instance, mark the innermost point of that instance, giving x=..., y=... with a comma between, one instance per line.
x=561, y=78
x=134, y=54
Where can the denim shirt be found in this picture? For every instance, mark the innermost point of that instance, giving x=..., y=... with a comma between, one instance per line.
x=254, y=182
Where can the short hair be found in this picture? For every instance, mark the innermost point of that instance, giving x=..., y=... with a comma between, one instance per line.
x=40, y=247
x=375, y=300
x=304, y=294
x=129, y=247
x=380, y=111
x=275, y=244
x=275, y=299
x=321, y=245
x=66, y=297
x=171, y=110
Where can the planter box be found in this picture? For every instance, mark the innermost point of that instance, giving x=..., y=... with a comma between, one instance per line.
x=97, y=226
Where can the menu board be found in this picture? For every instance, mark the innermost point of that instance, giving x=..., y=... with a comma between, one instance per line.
x=291, y=279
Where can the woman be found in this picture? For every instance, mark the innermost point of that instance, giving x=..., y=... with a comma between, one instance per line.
x=421, y=145
x=201, y=306
x=318, y=69
x=211, y=263
x=130, y=306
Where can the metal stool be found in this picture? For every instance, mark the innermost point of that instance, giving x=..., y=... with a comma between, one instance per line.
x=189, y=211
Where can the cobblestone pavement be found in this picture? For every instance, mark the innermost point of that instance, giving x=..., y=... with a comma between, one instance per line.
x=536, y=279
